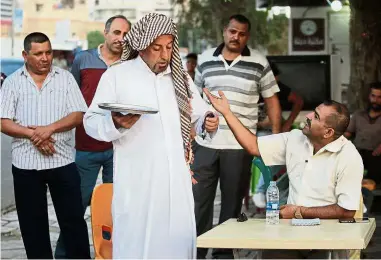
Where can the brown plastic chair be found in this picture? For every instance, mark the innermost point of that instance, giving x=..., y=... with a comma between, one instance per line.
x=101, y=220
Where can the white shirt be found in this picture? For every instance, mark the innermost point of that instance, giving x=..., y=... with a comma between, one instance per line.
x=153, y=205
x=331, y=176
x=23, y=102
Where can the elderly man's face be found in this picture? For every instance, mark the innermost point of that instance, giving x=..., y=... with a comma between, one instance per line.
x=158, y=54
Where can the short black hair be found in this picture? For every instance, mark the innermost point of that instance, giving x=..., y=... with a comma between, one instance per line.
x=375, y=85
x=241, y=19
x=275, y=69
x=111, y=19
x=191, y=55
x=36, y=37
x=339, y=119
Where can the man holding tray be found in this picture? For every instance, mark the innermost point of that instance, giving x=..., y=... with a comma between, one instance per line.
x=153, y=207
x=324, y=168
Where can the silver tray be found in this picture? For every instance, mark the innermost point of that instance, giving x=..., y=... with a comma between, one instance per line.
x=124, y=108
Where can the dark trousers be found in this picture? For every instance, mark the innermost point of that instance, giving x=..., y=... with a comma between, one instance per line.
x=30, y=188
x=372, y=165
x=232, y=167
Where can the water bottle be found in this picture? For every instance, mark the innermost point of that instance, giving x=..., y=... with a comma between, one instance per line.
x=272, y=206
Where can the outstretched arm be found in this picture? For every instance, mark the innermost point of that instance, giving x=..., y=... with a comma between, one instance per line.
x=246, y=139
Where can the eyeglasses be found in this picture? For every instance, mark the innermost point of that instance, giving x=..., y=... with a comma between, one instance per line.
x=242, y=217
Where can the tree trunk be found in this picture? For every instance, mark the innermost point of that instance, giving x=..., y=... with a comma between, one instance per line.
x=365, y=38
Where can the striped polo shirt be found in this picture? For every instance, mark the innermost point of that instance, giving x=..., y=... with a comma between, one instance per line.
x=26, y=105
x=88, y=68
x=242, y=81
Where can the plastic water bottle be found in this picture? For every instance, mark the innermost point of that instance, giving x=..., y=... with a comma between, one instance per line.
x=272, y=206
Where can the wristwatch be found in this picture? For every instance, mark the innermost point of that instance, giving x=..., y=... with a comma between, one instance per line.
x=298, y=213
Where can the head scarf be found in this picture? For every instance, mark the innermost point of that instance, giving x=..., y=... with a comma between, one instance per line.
x=141, y=35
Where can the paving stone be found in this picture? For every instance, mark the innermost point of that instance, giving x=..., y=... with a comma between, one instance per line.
x=14, y=224
x=7, y=231
x=88, y=212
x=11, y=244
x=4, y=222
x=13, y=254
x=54, y=236
x=55, y=224
x=11, y=216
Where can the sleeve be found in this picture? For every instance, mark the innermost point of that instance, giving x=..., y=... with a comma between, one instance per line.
x=267, y=84
x=98, y=122
x=348, y=182
x=75, y=100
x=199, y=110
x=8, y=100
x=76, y=69
x=273, y=148
x=352, y=124
x=198, y=80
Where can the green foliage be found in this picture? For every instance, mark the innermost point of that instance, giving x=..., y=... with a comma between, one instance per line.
x=94, y=38
x=205, y=20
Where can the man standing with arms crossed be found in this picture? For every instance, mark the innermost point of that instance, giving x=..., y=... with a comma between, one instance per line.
x=88, y=67
x=243, y=74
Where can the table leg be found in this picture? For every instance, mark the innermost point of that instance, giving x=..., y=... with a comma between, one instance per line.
x=235, y=253
x=259, y=254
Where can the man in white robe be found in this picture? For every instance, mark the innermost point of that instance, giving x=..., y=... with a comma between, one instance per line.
x=153, y=207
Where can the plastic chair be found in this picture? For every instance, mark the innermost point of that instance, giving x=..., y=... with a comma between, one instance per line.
x=101, y=220
x=265, y=170
x=282, y=182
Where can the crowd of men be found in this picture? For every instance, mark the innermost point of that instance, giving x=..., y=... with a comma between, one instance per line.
x=166, y=166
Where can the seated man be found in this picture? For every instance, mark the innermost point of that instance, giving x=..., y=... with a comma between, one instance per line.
x=365, y=126
x=325, y=169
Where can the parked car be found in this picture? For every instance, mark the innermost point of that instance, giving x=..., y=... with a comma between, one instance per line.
x=10, y=65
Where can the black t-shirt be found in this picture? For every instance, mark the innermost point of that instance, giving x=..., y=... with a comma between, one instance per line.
x=283, y=96
x=229, y=62
x=284, y=92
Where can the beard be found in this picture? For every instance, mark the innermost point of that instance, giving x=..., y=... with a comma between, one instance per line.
x=375, y=107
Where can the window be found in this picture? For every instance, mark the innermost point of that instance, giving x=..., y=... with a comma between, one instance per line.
x=39, y=7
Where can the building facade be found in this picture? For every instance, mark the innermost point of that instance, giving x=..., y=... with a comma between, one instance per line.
x=100, y=10
x=65, y=22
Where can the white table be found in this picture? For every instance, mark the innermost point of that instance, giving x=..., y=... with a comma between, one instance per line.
x=255, y=234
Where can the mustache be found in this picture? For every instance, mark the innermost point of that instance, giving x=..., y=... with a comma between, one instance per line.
x=234, y=41
x=308, y=121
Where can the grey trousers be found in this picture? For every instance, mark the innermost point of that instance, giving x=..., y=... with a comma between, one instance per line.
x=232, y=168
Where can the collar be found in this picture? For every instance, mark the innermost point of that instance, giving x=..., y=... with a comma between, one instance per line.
x=102, y=59
x=332, y=147
x=218, y=51
x=144, y=65
x=24, y=71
